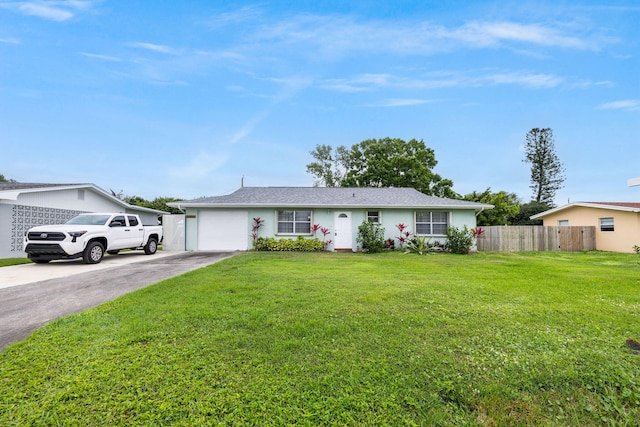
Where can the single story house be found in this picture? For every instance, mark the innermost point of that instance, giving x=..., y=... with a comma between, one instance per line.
x=226, y=222
x=26, y=205
x=617, y=223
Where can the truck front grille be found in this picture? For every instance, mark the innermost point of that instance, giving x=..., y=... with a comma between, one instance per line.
x=44, y=249
x=43, y=235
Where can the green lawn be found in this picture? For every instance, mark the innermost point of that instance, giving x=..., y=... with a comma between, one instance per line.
x=346, y=339
x=5, y=262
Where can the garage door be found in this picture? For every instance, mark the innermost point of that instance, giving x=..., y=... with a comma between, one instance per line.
x=223, y=230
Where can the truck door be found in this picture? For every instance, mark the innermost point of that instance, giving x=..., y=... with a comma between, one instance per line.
x=118, y=233
x=137, y=231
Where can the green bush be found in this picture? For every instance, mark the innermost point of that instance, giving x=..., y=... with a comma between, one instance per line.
x=371, y=236
x=420, y=245
x=459, y=241
x=300, y=244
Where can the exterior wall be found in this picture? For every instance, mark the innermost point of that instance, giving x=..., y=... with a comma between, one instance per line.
x=173, y=232
x=626, y=232
x=149, y=218
x=5, y=233
x=325, y=217
x=82, y=199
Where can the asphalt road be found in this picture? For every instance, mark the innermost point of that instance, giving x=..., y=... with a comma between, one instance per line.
x=27, y=307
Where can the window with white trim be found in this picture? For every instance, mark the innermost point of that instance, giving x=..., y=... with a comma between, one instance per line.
x=606, y=224
x=563, y=223
x=432, y=223
x=373, y=216
x=294, y=222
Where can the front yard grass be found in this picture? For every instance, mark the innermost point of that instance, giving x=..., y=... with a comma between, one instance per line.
x=5, y=262
x=346, y=339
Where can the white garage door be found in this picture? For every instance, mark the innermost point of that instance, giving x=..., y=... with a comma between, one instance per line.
x=223, y=230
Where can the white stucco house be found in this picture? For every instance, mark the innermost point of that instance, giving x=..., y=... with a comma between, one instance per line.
x=26, y=205
x=225, y=222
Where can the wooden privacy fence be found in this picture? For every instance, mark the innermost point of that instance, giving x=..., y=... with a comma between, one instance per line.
x=537, y=238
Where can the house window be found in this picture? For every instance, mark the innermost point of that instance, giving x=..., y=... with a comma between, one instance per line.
x=373, y=216
x=294, y=222
x=563, y=223
x=606, y=224
x=432, y=223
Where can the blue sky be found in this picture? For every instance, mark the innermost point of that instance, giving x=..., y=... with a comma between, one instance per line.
x=184, y=98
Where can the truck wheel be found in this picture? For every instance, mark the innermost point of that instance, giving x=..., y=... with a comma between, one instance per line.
x=93, y=253
x=151, y=247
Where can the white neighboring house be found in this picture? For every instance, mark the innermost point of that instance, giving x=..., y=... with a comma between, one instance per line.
x=26, y=205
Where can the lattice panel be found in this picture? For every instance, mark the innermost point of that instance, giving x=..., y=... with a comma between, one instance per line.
x=25, y=217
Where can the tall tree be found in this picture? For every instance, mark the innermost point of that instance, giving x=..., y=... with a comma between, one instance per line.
x=330, y=166
x=547, y=172
x=506, y=207
x=382, y=162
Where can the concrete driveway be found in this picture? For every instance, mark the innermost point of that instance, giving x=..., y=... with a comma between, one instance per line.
x=32, y=295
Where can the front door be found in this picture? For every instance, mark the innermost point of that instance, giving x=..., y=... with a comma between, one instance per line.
x=343, y=234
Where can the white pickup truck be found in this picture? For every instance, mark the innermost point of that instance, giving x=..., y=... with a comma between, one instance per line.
x=89, y=236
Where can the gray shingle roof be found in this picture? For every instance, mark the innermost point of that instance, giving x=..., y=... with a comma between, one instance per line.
x=329, y=197
x=27, y=185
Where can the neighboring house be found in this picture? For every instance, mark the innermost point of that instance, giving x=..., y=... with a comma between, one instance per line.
x=26, y=205
x=617, y=223
x=225, y=222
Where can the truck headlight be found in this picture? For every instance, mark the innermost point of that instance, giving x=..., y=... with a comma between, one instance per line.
x=75, y=234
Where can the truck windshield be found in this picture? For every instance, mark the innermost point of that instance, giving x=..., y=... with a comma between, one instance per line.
x=89, y=220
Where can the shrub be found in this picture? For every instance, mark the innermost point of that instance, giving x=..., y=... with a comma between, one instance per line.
x=300, y=244
x=390, y=244
x=459, y=241
x=421, y=245
x=371, y=236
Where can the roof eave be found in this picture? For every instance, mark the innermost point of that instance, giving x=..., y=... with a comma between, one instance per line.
x=584, y=205
x=181, y=205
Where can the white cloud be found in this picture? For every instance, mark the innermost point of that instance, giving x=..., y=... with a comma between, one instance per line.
x=10, y=40
x=443, y=79
x=101, y=57
x=60, y=10
x=628, y=104
x=240, y=16
x=523, y=79
x=482, y=34
x=199, y=166
x=404, y=102
x=154, y=47
x=337, y=36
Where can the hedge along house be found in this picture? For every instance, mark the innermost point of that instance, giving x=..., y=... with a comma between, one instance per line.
x=225, y=222
x=617, y=223
x=26, y=205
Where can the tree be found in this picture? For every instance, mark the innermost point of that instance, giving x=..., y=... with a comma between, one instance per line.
x=382, y=162
x=329, y=167
x=506, y=207
x=159, y=203
x=3, y=179
x=527, y=210
x=546, y=169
